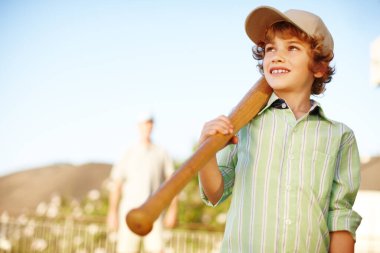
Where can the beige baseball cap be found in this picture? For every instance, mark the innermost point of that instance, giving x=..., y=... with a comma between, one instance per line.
x=263, y=17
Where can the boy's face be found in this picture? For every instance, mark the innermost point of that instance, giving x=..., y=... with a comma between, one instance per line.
x=286, y=65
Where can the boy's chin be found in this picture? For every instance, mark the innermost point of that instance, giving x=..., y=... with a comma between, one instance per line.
x=278, y=86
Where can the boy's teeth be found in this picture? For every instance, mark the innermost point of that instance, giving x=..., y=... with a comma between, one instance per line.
x=278, y=71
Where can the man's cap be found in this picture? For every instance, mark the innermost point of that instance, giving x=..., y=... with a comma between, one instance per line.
x=145, y=116
x=261, y=18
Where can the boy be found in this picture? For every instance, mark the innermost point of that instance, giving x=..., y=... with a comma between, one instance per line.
x=293, y=173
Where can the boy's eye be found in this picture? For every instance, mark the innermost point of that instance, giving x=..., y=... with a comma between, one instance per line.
x=293, y=48
x=269, y=49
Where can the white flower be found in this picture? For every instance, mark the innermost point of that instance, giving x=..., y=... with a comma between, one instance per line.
x=29, y=229
x=108, y=185
x=56, y=200
x=221, y=218
x=100, y=250
x=93, y=229
x=39, y=244
x=52, y=211
x=5, y=244
x=41, y=208
x=93, y=195
x=22, y=219
x=4, y=217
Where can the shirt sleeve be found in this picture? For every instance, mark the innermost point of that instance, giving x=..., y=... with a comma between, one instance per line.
x=118, y=170
x=345, y=187
x=227, y=160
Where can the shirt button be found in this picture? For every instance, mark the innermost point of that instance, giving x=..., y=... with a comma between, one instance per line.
x=283, y=105
x=288, y=222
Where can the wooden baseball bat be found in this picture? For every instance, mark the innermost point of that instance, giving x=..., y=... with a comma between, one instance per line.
x=140, y=220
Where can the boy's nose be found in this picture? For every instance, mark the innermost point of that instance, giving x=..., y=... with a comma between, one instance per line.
x=278, y=57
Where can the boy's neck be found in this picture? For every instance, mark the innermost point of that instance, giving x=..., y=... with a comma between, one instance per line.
x=299, y=103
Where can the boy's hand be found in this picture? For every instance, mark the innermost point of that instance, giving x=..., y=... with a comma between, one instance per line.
x=220, y=125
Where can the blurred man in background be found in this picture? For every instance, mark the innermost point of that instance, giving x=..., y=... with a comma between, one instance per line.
x=143, y=168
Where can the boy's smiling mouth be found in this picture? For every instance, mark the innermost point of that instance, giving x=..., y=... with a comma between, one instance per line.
x=279, y=70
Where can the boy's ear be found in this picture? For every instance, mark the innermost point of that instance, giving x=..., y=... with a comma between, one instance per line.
x=318, y=74
x=319, y=70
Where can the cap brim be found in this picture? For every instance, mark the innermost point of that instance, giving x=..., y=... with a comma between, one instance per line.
x=260, y=19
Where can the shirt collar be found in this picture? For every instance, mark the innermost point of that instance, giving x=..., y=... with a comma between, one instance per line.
x=275, y=101
x=272, y=98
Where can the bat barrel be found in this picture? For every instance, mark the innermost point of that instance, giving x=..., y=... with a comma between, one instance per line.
x=139, y=221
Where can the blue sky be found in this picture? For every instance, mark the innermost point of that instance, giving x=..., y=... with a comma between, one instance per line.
x=74, y=75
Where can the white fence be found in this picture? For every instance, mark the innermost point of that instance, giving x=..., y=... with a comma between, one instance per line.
x=23, y=234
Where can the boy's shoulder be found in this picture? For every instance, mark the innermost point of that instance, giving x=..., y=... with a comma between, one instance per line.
x=339, y=130
x=334, y=123
x=345, y=130
x=336, y=126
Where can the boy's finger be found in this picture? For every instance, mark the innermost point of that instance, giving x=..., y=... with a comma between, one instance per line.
x=233, y=140
x=226, y=120
x=223, y=128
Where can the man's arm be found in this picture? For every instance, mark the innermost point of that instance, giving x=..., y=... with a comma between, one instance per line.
x=113, y=212
x=341, y=242
x=170, y=219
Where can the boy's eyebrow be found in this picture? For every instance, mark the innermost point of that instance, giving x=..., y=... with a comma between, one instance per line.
x=295, y=41
x=292, y=39
x=289, y=40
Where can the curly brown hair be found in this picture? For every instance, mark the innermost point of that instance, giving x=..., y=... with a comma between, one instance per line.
x=320, y=60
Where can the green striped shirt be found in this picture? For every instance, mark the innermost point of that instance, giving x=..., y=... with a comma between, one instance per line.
x=292, y=182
